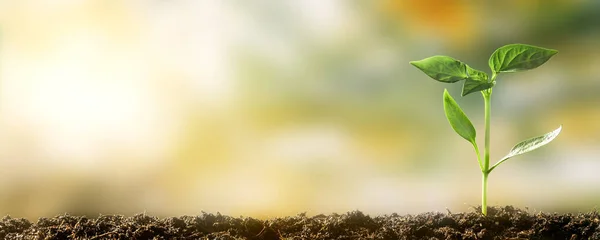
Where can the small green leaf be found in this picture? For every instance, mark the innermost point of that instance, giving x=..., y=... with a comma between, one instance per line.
x=476, y=75
x=476, y=81
x=519, y=57
x=457, y=118
x=471, y=86
x=529, y=145
x=442, y=68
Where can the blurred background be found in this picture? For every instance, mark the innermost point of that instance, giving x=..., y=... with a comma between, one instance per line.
x=270, y=108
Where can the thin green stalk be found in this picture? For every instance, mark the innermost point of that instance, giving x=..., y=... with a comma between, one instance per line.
x=488, y=105
x=487, y=96
x=484, y=194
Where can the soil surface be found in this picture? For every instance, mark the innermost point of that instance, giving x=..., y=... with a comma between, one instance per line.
x=501, y=223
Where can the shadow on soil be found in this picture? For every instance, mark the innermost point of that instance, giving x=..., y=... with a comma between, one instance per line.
x=501, y=223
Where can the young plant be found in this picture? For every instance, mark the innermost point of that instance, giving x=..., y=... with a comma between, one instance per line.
x=509, y=58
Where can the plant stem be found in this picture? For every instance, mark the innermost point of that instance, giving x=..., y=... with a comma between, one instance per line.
x=484, y=194
x=487, y=97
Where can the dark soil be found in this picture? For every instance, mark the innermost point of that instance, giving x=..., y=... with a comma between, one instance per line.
x=501, y=223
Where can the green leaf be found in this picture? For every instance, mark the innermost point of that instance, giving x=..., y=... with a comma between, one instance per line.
x=519, y=57
x=442, y=68
x=476, y=75
x=476, y=81
x=457, y=118
x=529, y=145
x=471, y=86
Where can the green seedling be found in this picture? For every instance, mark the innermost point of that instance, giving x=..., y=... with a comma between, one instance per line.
x=509, y=58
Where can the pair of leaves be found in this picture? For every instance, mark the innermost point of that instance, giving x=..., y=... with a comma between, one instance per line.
x=509, y=58
x=449, y=70
x=463, y=126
